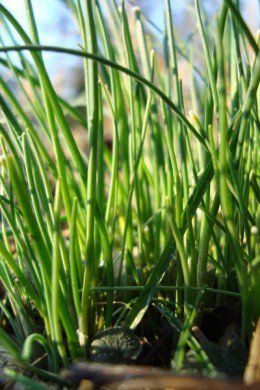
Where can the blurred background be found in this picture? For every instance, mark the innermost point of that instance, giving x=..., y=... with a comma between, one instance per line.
x=57, y=27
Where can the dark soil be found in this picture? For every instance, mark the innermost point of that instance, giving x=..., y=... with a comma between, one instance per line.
x=154, y=341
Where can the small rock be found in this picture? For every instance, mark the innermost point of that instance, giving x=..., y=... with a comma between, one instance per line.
x=115, y=345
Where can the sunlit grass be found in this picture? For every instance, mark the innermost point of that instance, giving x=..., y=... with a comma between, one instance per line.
x=176, y=196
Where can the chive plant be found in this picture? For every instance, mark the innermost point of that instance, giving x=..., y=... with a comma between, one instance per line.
x=147, y=222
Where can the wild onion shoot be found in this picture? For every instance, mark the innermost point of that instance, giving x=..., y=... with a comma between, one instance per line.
x=167, y=214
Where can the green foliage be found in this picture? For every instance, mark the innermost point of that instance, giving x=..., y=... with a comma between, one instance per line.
x=177, y=194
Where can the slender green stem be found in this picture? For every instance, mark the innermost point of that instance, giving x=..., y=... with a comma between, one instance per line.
x=111, y=64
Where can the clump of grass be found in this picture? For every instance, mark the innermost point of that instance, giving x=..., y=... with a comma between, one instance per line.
x=177, y=194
